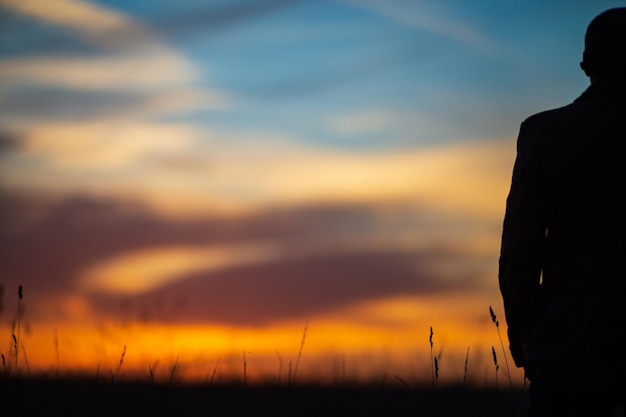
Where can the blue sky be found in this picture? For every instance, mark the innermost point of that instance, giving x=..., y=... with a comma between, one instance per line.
x=188, y=150
x=293, y=66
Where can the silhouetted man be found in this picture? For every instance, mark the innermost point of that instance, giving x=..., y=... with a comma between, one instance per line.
x=562, y=268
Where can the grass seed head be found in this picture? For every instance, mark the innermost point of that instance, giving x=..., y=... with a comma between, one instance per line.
x=493, y=317
x=495, y=358
x=431, y=336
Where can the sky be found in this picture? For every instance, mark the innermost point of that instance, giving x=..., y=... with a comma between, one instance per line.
x=309, y=183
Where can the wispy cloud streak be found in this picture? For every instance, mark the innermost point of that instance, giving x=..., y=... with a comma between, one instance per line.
x=98, y=24
x=414, y=15
x=111, y=30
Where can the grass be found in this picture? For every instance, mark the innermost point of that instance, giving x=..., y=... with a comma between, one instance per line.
x=74, y=396
x=495, y=321
x=124, y=395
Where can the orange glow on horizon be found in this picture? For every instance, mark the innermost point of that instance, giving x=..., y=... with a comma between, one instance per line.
x=358, y=351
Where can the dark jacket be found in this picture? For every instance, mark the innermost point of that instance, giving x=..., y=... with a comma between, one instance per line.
x=562, y=269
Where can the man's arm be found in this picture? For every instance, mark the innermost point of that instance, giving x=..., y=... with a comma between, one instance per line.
x=523, y=239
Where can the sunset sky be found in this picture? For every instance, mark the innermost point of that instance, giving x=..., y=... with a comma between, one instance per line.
x=196, y=179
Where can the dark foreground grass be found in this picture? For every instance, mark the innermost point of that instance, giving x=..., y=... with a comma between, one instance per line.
x=90, y=397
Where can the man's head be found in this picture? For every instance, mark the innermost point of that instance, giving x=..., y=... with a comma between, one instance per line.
x=605, y=45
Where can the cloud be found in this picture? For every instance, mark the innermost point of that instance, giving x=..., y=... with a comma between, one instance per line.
x=67, y=236
x=99, y=24
x=470, y=176
x=152, y=81
x=144, y=270
x=30, y=106
x=111, y=30
x=417, y=16
x=47, y=242
x=140, y=71
x=401, y=128
x=280, y=263
x=208, y=19
x=297, y=288
x=233, y=171
x=101, y=146
x=9, y=142
x=80, y=117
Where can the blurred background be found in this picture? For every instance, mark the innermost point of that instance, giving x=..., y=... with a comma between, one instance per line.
x=313, y=183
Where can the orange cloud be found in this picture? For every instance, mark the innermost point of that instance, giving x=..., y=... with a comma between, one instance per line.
x=149, y=269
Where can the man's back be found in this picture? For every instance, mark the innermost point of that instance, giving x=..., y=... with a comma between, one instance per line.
x=567, y=205
x=562, y=274
x=581, y=152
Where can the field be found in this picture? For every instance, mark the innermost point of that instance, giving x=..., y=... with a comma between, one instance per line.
x=23, y=393
x=90, y=397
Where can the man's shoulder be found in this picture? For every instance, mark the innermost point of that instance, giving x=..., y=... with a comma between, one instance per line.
x=552, y=116
x=589, y=107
